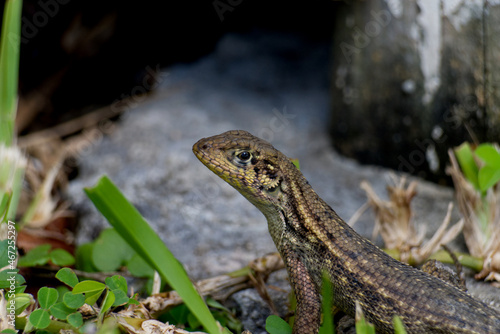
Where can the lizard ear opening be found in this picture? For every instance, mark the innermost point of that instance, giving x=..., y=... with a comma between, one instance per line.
x=272, y=189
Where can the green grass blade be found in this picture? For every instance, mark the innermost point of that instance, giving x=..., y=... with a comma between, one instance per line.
x=326, y=305
x=399, y=327
x=17, y=183
x=467, y=260
x=125, y=218
x=9, y=68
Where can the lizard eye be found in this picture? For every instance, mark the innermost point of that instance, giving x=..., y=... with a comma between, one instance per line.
x=244, y=156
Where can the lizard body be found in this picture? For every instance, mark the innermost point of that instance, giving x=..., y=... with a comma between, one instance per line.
x=312, y=238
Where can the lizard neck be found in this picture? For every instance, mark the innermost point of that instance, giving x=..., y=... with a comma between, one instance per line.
x=302, y=218
x=298, y=211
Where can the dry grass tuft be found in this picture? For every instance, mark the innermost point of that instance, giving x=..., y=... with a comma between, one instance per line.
x=394, y=222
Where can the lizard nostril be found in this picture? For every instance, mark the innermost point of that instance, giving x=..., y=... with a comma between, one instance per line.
x=204, y=147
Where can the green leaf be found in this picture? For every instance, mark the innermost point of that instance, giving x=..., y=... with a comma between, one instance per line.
x=109, y=299
x=83, y=259
x=399, y=327
x=110, y=251
x=133, y=301
x=215, y=304
x=488, y=177
x=192, y=321
x=6, y=257
x=276, y=325
x=67, y=276
x=47, y=297
x=121, y=297
x=6, y=276
x=40, y=318
x=60, y=257
x=139, y=268
x=178, y=314
x=4, y=204
x=20, y=289
x=117, y=282
x=136, y=231
x=38, y=256
x=92, y=290
x=467, y=164
x=92, y=297
x=9, y=331
x=62, y=290
x=41, y=331
x=74, y=301
x=89, y=287
x=489, y=154
x=75, y=320
x=22, y=301
x=61, y=311
x=224, y=316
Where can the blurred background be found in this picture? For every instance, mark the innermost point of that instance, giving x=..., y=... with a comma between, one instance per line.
x=408, y=79
x=80, y=55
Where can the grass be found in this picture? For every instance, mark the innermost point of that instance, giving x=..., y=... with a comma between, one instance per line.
x=140, y=236
x=13, y=161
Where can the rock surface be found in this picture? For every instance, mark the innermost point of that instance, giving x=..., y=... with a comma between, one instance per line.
x=276, y=87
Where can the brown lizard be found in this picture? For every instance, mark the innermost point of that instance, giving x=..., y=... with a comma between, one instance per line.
x=312, y=238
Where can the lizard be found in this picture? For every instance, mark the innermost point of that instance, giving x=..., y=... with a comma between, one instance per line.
x=311, y=239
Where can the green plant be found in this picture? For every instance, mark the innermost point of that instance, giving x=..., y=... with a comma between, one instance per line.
x=13, y=161
x=136, y=231
x=64, y=305
x=9, y=69
x=476, y=176
x=276, y=325
x=481, y=166
x=42, y=254
x=326, y=305
x=118, y=254
x=363, y=326
x=399, y=327
x=12, y=168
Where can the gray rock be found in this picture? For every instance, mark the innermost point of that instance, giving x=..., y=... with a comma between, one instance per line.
x=208, y=226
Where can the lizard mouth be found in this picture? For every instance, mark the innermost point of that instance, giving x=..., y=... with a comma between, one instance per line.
x=199, y=149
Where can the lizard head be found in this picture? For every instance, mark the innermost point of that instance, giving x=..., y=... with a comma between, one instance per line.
x=249, y=164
